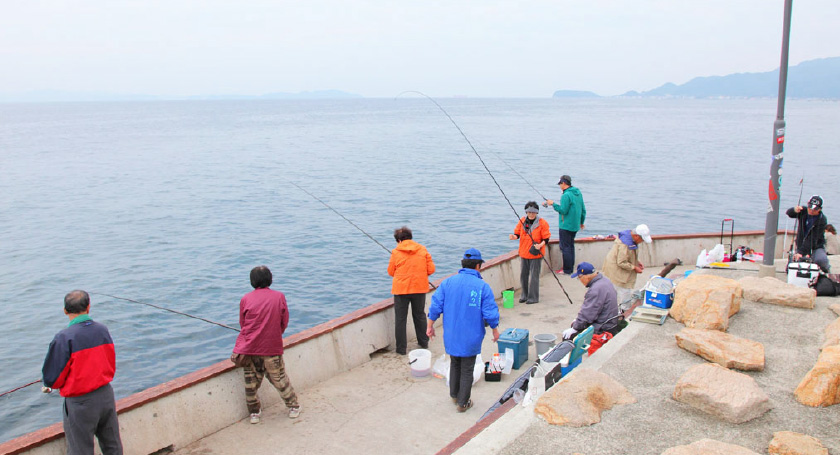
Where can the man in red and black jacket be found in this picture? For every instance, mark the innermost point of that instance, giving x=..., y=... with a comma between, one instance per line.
x=81, y=363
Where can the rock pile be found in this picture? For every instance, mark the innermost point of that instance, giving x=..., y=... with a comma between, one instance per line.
x=771, y=290
x=731, y=396
x=579, y=399
x=706, y=302
x=722, y=348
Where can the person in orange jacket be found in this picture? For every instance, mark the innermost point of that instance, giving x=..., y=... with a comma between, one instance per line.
x=531, y=251
x=410, y=266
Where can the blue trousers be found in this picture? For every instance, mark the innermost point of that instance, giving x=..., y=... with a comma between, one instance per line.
x=567, y=247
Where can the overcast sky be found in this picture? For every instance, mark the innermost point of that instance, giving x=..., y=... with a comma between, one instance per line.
x=381, y=48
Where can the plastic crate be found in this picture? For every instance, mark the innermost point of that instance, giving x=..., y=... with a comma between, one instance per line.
x=517, y=340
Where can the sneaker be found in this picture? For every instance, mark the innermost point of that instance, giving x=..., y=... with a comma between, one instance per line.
x=255, y=418
x=465, y=407
x=559, y=272
x=294, y=412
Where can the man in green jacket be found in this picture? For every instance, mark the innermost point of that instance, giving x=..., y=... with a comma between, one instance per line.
x=572, y=216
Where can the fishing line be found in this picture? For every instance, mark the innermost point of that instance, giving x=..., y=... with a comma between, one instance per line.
x=520, y=175
x=348, y=220
x=494, y=181
x=167, y=309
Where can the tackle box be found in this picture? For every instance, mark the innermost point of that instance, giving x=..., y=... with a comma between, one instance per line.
x=517, y=340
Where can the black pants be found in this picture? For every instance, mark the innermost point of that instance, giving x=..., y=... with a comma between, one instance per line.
x=529, y=279
x=567, y=247
x=461, y=378
x=418, y=315
x=93, y=413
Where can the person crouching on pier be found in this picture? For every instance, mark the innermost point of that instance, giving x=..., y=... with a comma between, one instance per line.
x=810, y=235
x=599, y=308
x=263, y=317
x=410, y=265
x=533, y=234
x=466, y=302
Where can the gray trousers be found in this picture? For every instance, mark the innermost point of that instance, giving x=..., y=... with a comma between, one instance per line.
x=94, y=413
x=820, y=258
x=461, y=378
x=529, y=279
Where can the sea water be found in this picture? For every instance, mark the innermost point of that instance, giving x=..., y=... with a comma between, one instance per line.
x=172, y=203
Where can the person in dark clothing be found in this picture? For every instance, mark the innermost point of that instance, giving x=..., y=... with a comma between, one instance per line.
x=600, y=306
x=81, y=362
x=810, y=235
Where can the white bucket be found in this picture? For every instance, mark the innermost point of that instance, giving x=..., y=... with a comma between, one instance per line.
x=420, y=361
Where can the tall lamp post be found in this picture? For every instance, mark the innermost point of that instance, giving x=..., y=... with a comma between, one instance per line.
x=771, y=225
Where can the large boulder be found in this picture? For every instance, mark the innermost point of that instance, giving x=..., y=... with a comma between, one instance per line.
x=706, y=302
x=832, y=334
x=729, y=395
x=821, y=386
x=790, y=443
x=771, y=290
x=709, y=447
x=722, y=348
x=579, y=399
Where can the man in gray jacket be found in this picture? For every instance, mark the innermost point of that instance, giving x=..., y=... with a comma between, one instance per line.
x=599, y=308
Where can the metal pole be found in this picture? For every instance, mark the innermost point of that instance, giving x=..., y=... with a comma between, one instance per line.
x=771, y=225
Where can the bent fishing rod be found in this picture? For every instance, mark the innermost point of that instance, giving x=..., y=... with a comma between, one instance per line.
x=348, y=220
x=494, y=181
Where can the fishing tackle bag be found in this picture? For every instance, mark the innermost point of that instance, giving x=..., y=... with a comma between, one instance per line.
x=827, y=285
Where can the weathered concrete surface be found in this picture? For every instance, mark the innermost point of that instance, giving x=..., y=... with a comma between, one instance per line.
x=821, y=386
x=776, y=292
x=579, y=399
x=791, y=443
x=706, y=301
x=709, y=447
x=722, y=348
x=732, y=396
x=649, y=364
x=835, y=308
x=832, y=334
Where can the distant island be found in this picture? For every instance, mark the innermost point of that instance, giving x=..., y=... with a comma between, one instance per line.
x=49, y=96
x=818, y=78
x=575, y=94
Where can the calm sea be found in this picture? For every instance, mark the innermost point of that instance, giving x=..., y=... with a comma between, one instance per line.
x=172, y=203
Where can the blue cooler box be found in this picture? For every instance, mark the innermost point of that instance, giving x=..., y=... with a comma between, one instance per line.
x=658, y=299
x=517, y=340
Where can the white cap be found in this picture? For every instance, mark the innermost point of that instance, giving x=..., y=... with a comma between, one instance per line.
x=644, y=232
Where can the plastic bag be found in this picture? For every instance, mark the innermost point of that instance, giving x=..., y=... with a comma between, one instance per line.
x=441, y=368
x=508, y=361
x=702, y=259
x=716, y=255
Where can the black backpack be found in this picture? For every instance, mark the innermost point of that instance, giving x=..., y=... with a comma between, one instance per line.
x=826, y=285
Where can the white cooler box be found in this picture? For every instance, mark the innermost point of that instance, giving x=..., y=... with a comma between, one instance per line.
x=802, y=273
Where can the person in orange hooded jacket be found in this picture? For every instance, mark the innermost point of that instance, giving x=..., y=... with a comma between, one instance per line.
x=531, y=251
x=410, y=266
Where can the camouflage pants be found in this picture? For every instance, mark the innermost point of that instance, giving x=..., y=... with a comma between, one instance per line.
x=274, y=368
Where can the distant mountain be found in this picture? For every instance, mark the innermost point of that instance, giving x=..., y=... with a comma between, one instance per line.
x=51, y=96
x=574, y=94
x=810, y=79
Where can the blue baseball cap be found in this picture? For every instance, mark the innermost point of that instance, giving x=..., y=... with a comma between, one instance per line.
x=584, y=268
x=473, y=253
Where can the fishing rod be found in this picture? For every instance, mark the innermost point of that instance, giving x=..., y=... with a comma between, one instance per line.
x=796, y=222
x=348, y=220
x=499, y=156
x=167, y=309
x=494, y=181
x=21, y=387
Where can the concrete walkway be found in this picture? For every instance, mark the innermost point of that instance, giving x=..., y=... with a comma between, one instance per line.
x=378, y=408
x=646, y=360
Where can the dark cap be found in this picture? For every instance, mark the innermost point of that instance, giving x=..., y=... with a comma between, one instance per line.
x=565, y=179
x=473, y=253
x=815, y=203
x=584, y=268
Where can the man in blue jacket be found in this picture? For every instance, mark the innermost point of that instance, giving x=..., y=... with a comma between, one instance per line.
x=467, y=302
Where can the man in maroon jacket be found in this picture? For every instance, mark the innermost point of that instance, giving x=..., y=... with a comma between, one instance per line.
x=81, y=362
x=263, y=317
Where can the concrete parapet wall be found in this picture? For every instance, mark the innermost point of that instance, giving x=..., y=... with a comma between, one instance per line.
x=193, y=406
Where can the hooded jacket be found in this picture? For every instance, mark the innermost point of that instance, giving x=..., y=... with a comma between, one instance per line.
x=599, y=308
x=808, y=240
x=539, y=231
x=410, y=265
x=619, y=266
x=466, y=302
x=571, y=209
